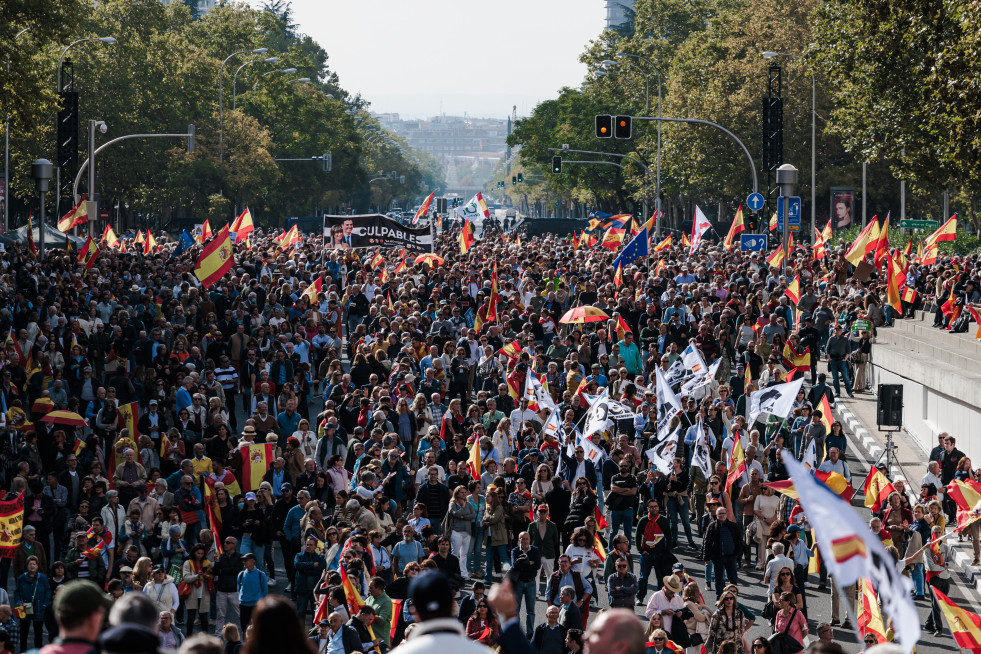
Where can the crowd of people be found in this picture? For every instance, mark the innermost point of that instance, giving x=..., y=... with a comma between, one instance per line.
x=404, y=446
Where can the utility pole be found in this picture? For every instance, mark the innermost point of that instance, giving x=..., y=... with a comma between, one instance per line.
x=786, y=180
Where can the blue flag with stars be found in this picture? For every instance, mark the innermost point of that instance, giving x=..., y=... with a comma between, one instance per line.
x=635, y=249
x=185, y=243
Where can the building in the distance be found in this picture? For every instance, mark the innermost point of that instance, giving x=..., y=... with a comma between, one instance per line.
x=620, y=15
x=470, y=148
x=198, y=7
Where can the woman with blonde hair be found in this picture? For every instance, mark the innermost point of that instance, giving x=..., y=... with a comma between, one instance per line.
x=728, y=623
x=698, y=624
x=141, y=571
x=542, y=484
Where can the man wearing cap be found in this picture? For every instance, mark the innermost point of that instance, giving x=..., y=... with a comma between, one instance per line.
x=153, y=423
x=252, y=585
x=436, y=630
x=79, y=609
x=162, y=590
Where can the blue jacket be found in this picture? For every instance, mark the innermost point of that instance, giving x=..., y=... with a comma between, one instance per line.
x=253, y=585
x=571, y=465
x=309, y=567
x=37, y=590
x=291, y=528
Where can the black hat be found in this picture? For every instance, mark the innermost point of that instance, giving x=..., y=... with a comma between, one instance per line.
x=431, y=593
x=247, y=556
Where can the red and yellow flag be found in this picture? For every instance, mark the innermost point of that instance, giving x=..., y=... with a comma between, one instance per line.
x=776, y=258
x=967, y=496
x=601, y=522
x=618, y=276
x=734, y=229
x=256, y=459
x=964, y=625
x=909, y=294
x=868, y=614
x=473, y=461
x=794, y=361
x=150, y=245
x=663, y=245
x=206, y=231
x=511, y=350
x=613, y=238
x=598, y=548
x=685, y=241
x=216, y=259
x=290, y=238
x=622, y=327
x=109, y=237
x=401, y=267
x=737, y=463
x=11, y=525
x=895, y=280
x=78, y=215
x=313, y=290
x=882, y=243
x=793, y=290
x=858, y=249
x=129, y=416
x=877, y=489
x=423, y=208
x=242, y=226
x=818, y=251
x=946, y=232
x=466, y=237
x=30, y=234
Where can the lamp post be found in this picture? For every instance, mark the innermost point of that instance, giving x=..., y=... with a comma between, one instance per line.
x=221, y=113
x=108, y=40
x=786, y=180
x=42, y=171
x=657, y=183
x=770, y=55
x=267, y=60
x=6, y=152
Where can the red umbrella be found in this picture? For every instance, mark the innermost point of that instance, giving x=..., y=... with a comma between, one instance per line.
x=583, y=314
x=43, y=405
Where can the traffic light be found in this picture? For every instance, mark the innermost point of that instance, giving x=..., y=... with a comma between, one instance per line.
x=514, y=180
x=752, y=223
x=521, y=178
x=621, y=128
x=556, y=164
x=604, y=126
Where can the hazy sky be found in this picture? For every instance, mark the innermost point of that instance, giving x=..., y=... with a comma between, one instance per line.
x=418, y=58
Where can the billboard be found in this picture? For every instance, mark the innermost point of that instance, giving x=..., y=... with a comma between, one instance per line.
x=374, y=230
x=842, y=207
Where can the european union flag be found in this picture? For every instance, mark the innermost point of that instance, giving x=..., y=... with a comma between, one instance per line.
x=185, y=242
x=635, y=249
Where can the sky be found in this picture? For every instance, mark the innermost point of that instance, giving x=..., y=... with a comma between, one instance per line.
x=420, y=58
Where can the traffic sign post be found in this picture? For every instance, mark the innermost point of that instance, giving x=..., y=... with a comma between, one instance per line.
x=919, y=224
x=755, y=201
x=752, y=242
x=794, y=212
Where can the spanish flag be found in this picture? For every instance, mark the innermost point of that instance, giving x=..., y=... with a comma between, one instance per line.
x=313, y=290
x=966, y=495
x=734, y=229
x=242, y=226
x=825, y=409
x=618, y=276
x=868, y=614
x=663, y=245
x=601, y=522
x=78, y=215
x=109, y=237
x=30, y=234
x=737, y=463
x=845, y=548
x=511, y=350
x=20, y=611
x=773, y=222
x=909, y=294
x=685, y=241
x=858, y=250
x=401, y=267
x=794, y=361
x=290, y=238
x=206, y=231
x=256, y=459
x=491, y=314
x=423, y=208
x=354, y=601
x=376, y=260
x=622, y=327
x=613, y=238
x=473, y=461
x=150, y=245
x=946, y=232
x=793, y=290
x=140, y=238
x=877, y=488
x=882, y=243
x=216, y=259
x=129, y=415
x=598, y=548
x=384, y=275
x=466, y=237
x=819, y=250
x=776, y=258
x=895, y=279
x=964, y=625
x=929, y=255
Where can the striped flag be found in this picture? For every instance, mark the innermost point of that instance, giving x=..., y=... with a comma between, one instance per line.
x=964, y=625
x=256, y=459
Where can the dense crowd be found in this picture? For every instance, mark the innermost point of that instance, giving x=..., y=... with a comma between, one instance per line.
x=403, y=441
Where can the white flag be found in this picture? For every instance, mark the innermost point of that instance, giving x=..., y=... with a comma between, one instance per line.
x=553, y=425
x=693, y=360
x=474, y=209
x=851, y=552
x=536, y=393
x=698, y=229
x=776, y=400
x=810, y=455
x=701, y=457
x=604, y=413
x=662, y=454
x=676, y=372
x=668, y=404
x=699, y=382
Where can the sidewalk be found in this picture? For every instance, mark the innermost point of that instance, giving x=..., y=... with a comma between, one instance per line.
x=909, y=463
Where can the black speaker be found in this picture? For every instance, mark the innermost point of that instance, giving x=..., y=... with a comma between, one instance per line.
x=890, y=408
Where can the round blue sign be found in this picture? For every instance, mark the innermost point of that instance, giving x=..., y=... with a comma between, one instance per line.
x=755, y=201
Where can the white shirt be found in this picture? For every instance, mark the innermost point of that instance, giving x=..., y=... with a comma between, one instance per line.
x=660, y=602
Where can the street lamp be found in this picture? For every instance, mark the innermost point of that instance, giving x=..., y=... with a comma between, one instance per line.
x=288, y=71
x=6, y=152
x=221, y=112
x=300, y=80
x=42, y=171
x=267, y=60
x=108, y=40
x=769, y=54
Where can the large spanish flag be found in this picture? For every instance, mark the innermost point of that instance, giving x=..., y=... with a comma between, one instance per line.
x=794, y=361
x=858, y=249
x=966, y=495
x=877, y=488
x=256, y=459
x=423, y=208
x=129, y=415
x=737, y=463
x=776, y=258
x=868, y=615
x=793, y=290
x=79, y=215
x=313, y=291
x=663, y=245
x=964, y=625
x=216, y=259
x=946, y=232
x=833, y=480
x=466, y=237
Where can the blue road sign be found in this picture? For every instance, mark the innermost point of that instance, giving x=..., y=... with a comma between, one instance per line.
x=794, y=213
x=752, y=242
x=755, y=201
